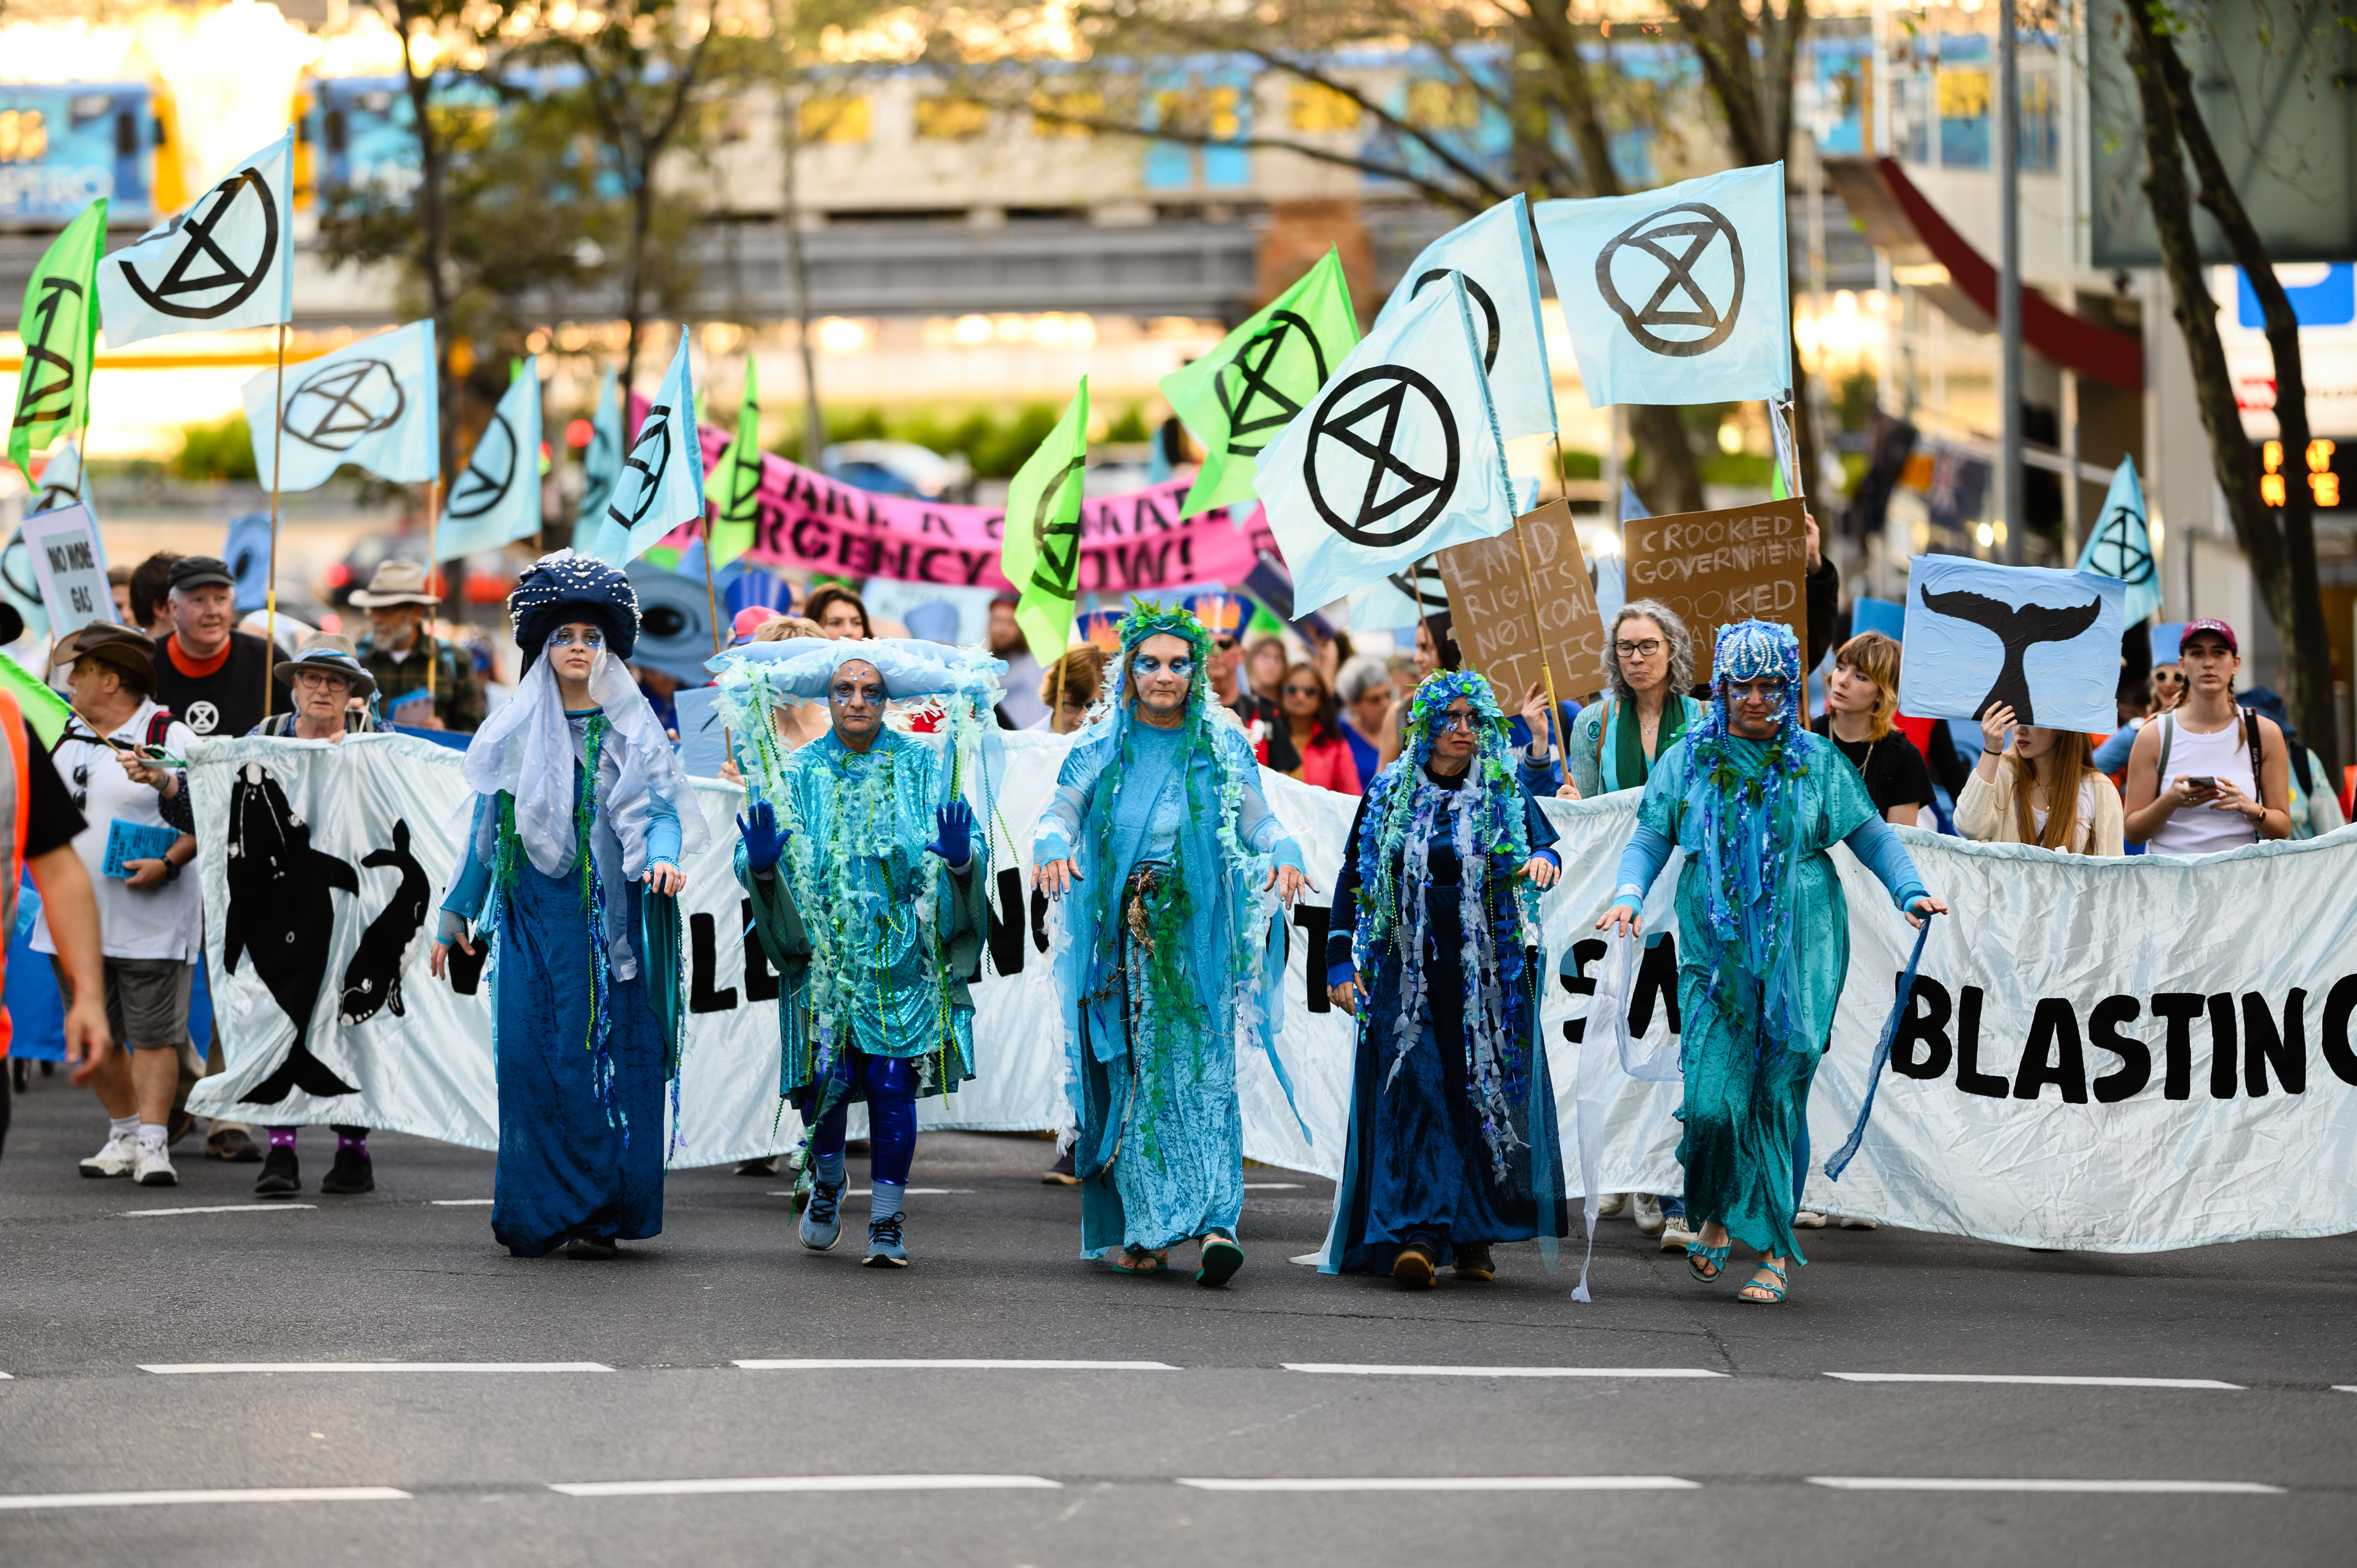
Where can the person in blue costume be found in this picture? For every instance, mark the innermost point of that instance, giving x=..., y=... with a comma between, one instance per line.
x=1755, y=801
x=1174, y=960
x=1453, y=1144
x=582, y=818
x=873, y=928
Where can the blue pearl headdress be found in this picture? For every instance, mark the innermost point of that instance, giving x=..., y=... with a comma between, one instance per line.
x=562, y=586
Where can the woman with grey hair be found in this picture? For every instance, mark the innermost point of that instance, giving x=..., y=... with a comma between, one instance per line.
x=1370, y=706
x=1650, y=658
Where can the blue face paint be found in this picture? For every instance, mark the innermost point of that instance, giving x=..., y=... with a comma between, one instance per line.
x=587, y=637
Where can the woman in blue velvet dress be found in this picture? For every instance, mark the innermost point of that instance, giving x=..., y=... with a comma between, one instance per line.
x=581, y=818
x=1453, y=1143
x=1755, y=801
x=1174, y=960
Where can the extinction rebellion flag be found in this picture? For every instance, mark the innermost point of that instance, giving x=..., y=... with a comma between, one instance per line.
x=1237, y=397
x=59, y=329
x=496, y=497
x=374, y=403
x=225, y=262
x=734, y=487
x=1039, y=548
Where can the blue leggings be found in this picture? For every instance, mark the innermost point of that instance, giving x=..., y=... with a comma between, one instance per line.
x=888, y=1084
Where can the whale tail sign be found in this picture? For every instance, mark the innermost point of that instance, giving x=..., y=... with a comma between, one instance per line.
x=2019, y=627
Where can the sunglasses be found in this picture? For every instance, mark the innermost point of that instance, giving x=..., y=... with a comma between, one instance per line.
x=1303, y=692
x=1444, y=723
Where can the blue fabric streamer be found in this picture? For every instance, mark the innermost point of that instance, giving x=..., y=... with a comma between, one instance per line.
x=1839, y=1160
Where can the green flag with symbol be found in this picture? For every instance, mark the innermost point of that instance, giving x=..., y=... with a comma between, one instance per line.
x=1039, y=548
x=1237, y=397
x=735, y=484
x=59, y=327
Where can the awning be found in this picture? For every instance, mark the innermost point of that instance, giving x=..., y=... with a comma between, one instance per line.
x=1901, y=222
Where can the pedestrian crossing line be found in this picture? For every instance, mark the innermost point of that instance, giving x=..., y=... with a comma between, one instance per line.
x=1355, y=1369
x=462, y=1203
x=2032, y=1484
x=1439, y=1483
x=971, y=1364
x=725, y=1484
x=175, y=1368
x=1271, y=1187
x=218, y=1494
x=2028, y=1377
x=2336, y=1388
x=222, y=1209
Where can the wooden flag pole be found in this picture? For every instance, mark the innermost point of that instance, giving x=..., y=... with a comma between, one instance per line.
x=433, y=591
x=277, y=437
x=712, y=607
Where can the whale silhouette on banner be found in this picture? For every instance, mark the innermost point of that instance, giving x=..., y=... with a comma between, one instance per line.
x=2042, y=642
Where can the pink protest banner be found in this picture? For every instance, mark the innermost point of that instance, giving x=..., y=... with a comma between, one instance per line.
x=1135, y=542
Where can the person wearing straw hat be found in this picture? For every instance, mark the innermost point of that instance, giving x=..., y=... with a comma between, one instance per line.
x=121, y=756
x=872, y=925
x=582, y=821
x=400, y=648
x=327, y=682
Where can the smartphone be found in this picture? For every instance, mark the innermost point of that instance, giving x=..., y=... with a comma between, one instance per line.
x=2206, y=781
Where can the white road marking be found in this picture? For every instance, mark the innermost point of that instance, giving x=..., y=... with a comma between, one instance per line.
x=223, y=1208
x=2019, y=1378
x=2344, y=1388
x=2030, y=1484
x=1271, y=1187
x=804, y=1484
x=226, y=1495
x=911, y=1192
x=462, y=1203
x=1345, y=1366
x=1442, y=1484
x=970, y=1365
x=175, y=1368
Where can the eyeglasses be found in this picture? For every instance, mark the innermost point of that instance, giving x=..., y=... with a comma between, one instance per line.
x=1645, y=649
x=1468, y=723
x=1770, y=689
x=1222, y=641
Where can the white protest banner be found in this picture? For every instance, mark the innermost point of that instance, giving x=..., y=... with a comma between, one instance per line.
x=2145, y=1085
x=69, y=564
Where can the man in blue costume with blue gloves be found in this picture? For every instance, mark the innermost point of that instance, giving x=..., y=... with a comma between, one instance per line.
x=875, y=929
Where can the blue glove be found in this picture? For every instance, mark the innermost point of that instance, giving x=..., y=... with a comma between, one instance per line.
x=763, y=842
x=954, y=834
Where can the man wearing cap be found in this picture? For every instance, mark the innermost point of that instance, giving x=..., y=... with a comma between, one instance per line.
x=122, y=757
x=2208, y=776
x=398, y=652
x=212, y=676
x=1226, y=615
x=325, y=676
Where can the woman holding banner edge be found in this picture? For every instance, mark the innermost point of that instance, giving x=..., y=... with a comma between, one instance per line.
x=1755, y=801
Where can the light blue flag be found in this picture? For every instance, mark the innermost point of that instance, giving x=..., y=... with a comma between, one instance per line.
x=601, y=465
x=661, y=483
x=2044, y=643
x=496, y=497
x=1397, y=458
x=1494, y=255
x=227, y=261
x=1676, y=296
x=375, y=402
x=2120, y=545
x=245, y=550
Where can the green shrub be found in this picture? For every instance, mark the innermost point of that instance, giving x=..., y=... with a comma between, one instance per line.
x=221, y=451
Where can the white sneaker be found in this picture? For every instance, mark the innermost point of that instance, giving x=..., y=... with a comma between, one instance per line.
x=117, y=1158
x=154, y=1168
x=1808, y=1219
x=1645, y=1213
x=1609, y=1206
x=1851, y=1222
x=1675, y=1237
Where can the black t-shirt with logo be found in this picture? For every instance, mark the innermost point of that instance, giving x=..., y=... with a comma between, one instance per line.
x=230, y=700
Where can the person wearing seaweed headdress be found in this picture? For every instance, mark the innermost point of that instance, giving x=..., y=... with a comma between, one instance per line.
x=873, y=941
x=1453, y=1144
x=1158, y=827
x=1755, y=801
x=582, y=820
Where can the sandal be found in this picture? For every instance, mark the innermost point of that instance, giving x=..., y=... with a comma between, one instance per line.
x=1698, y=1254
x=1776, y=1291
x=1220, y=1261
x=1138, y=1260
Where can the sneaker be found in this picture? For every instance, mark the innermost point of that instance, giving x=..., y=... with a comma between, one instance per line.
x=885, y=1249
x=1851, y=1222
x=1061, y=1173
x=1676, y=1235
x=280, y=1175
x=1808, y=1219
x=1474, y=1263
x=822, y=1219
x=119, y=1157
x=1609, y=1206
x=352, y=1172
x=1645, y=1213
x=765, y=1165
x=154, y=1168
x=230, y=1143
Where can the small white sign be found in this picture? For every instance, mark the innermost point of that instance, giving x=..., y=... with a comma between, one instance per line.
x=69, y=564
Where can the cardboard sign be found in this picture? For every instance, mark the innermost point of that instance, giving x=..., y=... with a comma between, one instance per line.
x=1716, y=568
x=1502, y=615
x=69, y=564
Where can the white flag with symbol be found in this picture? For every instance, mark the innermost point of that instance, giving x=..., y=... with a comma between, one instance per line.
x=661, y=483
x=224, y=262
x=1494, y=256
x=496, y=497
x=375, y=403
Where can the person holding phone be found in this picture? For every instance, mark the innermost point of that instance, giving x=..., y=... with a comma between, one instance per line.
x=2209, y=775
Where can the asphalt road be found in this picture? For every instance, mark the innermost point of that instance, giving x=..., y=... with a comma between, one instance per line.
x=1697, y=1429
